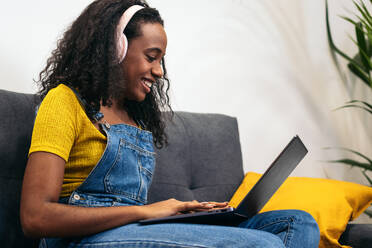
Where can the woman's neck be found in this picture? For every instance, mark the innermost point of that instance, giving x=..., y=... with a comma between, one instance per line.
x=115, y=115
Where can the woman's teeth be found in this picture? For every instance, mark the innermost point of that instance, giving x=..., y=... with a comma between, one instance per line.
x=148, y=84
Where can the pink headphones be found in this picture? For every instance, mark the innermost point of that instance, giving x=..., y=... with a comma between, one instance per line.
x=121, y=39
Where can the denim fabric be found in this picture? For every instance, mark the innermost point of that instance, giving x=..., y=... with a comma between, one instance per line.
x=123, y=176
x=124, y=172
x=295, y=228
x=174, y=236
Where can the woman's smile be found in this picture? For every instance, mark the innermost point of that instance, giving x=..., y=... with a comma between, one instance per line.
x=147, y=85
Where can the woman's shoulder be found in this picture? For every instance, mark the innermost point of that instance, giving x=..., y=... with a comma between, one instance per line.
x=61, y=97
x=60, y=104
x=57, y=122
x=61, y=92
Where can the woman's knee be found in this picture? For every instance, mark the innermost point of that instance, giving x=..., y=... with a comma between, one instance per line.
x=305, y=219
x=293, y=226
x=308, y=226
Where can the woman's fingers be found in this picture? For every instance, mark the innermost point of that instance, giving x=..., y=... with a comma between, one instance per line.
x=195, y=206
x=216, y=205
x=219, y=204
x=173, y=206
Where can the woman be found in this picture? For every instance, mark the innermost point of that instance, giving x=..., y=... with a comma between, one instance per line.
x=91, y=157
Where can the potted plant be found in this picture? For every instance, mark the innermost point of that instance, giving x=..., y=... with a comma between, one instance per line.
x=361, y=66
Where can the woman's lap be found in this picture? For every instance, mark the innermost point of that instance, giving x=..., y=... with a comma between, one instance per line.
x=175, y=235
x=182, y=235
x=270, y=229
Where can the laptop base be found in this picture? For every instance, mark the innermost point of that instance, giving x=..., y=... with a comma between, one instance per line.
x=224, y=219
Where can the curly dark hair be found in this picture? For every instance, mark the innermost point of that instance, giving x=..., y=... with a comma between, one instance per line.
x=86, y=60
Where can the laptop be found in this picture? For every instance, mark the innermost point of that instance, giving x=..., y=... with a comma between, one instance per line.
x=255, y=199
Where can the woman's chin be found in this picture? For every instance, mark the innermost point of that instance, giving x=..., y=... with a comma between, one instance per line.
x=136, y=98
x=139, y=99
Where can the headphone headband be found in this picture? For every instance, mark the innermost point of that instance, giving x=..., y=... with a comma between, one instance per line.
x=122, y=42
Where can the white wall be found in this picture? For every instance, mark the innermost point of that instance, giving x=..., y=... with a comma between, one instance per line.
x=29, y=31
x=265, y=62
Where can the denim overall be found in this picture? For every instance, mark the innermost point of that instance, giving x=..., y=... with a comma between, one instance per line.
x=124, y=172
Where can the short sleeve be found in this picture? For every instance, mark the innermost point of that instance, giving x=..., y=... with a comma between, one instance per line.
x=55, y=125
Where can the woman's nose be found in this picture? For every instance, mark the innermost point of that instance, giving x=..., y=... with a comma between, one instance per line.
x=157, y=70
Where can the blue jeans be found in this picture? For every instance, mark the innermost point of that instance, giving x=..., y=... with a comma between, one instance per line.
x=275, y=229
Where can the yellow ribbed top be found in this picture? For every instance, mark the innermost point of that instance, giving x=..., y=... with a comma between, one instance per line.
x=62, y=128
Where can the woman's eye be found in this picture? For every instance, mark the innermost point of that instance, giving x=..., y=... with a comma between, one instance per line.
x=151, y=58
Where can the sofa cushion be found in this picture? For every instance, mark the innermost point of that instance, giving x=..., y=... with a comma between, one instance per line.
x=203, y=160
x=357, y=235
x=17, y=112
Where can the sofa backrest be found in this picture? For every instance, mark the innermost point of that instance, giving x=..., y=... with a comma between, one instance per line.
x=17, y=113
x=203, y=160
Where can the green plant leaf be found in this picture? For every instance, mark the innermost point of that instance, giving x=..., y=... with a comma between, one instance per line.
x=367, y=177
x=349, y=20
x=362, y=58
x=367, y=30
x=355, y=106
x=365, y=23
x=366, y=11
x=364, y=14
x=361, y=42
x=352, y=163
x=356, y=69
x=353, y=151
x=352, y=65
x=367, y=20
x=330, y=39
x=369, y=34
x=368, y=213
x=364, y=103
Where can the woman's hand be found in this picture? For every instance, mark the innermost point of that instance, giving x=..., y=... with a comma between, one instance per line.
x=174, y=207
x=216, y=205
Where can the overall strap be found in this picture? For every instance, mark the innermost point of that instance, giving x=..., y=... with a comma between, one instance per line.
x=97, y=116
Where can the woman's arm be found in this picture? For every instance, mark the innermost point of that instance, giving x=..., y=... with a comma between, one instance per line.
x=42, y=215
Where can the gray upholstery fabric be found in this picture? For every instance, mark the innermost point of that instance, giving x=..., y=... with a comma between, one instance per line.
x=202, y=161
x=17, y=111
x=357, y=235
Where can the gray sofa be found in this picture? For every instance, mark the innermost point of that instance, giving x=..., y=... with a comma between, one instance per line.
x=202, y=162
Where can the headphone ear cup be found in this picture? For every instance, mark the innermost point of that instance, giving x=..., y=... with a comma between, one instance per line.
x=122, y=47
x=125, y=47
x=122, y=41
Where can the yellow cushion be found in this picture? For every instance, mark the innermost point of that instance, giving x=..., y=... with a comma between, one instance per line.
x=332, y=203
